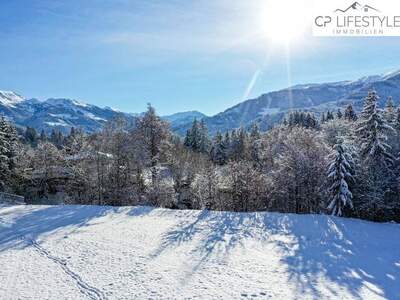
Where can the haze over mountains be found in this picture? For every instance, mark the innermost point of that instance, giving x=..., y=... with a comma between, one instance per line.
x=267, y=109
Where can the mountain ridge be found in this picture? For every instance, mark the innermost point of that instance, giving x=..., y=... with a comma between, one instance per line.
x=269, y=108
x=266, y=109
x=62, y=113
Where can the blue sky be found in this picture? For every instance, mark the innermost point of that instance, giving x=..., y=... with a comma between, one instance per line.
x=179, y=55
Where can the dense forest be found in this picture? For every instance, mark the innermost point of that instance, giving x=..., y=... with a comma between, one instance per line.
x=341, y=163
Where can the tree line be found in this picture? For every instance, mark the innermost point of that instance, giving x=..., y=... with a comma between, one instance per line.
x=339, y=163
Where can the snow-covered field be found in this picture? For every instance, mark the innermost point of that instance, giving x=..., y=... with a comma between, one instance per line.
x=93, y=252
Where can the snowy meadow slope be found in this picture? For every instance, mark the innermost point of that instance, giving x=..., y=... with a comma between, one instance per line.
x=94, y=252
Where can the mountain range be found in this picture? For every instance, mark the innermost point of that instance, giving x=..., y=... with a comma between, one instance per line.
x=63, y=114
x=269, y=108
x=266, y=110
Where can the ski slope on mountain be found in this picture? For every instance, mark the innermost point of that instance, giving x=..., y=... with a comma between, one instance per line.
x=95, y=252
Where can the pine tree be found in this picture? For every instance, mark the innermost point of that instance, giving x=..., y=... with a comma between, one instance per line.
x=72, y=132
x=197, y=137
x=57, y=138
x=4, y=170
x=31, y=136
x=375, y=178
x=396, y=126
x=254, y=144
x=254, y=132
x=53, y=136
x=397, y=122
x=8, y=143
x=204, y=140
x=372, y=129
x=310, y=121
x=349, y=114
x=218, y=151
x=329, y=116
x=340, y=173
x=303, y=119
x=227, y=145
x=232, y=144
x=390, y=111
x=43, y=136
x=239, y=144
x=188, y=138
x=339, y=114
x=323, y=118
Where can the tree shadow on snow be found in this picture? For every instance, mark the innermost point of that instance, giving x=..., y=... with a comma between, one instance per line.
x=36, y=222
x=215, y=234
x=341, y=252
x=139, y=211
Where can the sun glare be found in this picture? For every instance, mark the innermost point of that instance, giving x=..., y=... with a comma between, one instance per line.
x=285, y=21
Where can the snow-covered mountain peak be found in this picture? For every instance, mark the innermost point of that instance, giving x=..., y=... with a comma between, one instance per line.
x=112, y=109
x=391, y=74
x=364, y=80
x=65, y=102
x=10, y=99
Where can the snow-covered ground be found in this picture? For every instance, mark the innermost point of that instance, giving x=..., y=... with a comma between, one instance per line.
x=93, y=252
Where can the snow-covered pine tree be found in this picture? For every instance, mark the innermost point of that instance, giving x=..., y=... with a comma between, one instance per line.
x=218, y=151
x=57, y=138
x=232, y=143
x=323, y=118
x=8, y=142
x=310, y=121
x=339, y=114
x=197, y=137
x=329, y=116
x=303, y=119
x=43, y=136
x=204, y=144
x=349, y=114
x=391, y=116
x=188, y=138
x=192, y=136
x=390, y=111
x=397, y=128
x=340, y=173
x=375, y=178
x=254, y=132
x=3, y=157
x=255, y=145
x=291, y=121
x=227, y=140
x=397, y=145
x=372, y=130
x=398, y=118
x=239, y=144
x=31, y=136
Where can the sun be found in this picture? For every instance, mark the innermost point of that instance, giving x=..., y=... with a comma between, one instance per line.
x=285, y=21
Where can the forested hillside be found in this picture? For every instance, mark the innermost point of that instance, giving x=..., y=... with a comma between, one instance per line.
x=340, y=163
